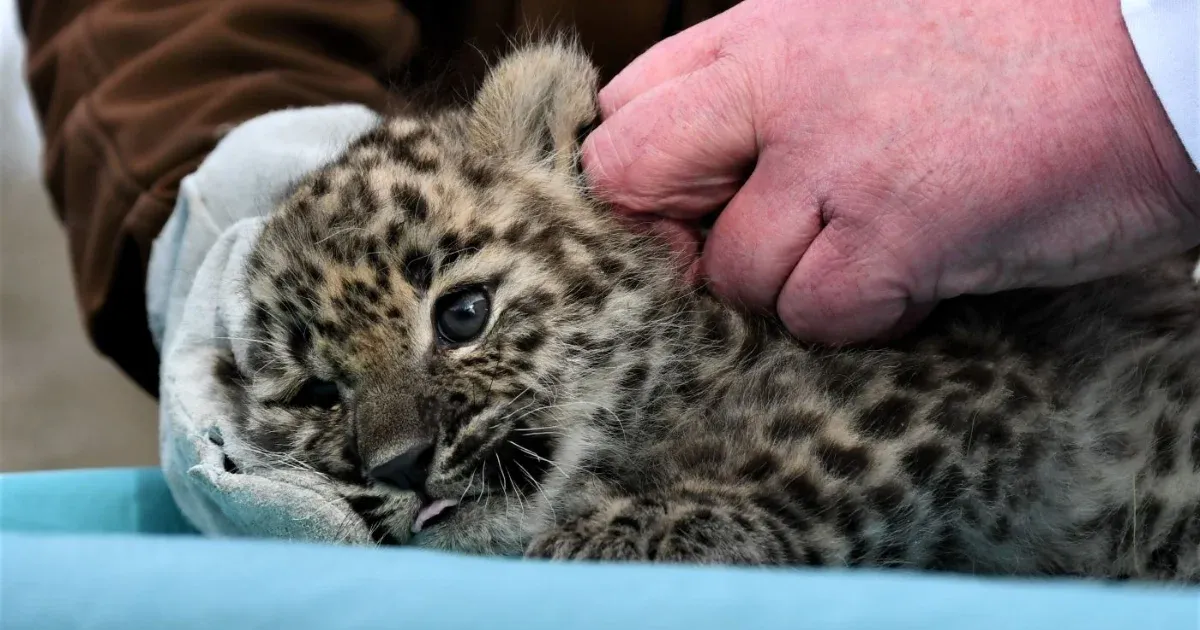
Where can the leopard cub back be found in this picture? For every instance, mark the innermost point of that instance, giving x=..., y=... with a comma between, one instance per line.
x=475, y=355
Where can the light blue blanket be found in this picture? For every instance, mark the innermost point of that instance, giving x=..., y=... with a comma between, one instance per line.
x=103, y=550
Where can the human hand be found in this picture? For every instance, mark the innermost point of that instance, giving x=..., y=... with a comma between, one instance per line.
x=901, y=152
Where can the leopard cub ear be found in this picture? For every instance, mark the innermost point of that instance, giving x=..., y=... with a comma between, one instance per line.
x=537, y=104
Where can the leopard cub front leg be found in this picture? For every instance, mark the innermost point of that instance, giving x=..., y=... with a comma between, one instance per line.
x=682, y=527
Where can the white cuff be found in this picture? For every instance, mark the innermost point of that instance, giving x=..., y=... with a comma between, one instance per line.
x=1166, y=34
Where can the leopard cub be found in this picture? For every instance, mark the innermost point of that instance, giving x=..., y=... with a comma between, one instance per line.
x=479, y=357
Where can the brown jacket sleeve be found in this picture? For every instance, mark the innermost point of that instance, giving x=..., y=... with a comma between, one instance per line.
x=132, y=94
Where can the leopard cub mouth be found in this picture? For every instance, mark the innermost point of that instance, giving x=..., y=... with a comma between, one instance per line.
x=434, y=512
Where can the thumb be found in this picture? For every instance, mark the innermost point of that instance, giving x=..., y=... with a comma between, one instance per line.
x=844, y=290
x=679, y=150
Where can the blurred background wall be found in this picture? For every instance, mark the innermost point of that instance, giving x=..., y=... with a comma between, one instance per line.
x=61, y=404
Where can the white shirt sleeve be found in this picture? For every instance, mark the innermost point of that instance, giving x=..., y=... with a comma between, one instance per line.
x=1166, y=34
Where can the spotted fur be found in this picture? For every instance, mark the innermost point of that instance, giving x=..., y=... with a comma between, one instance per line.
x=609, y=411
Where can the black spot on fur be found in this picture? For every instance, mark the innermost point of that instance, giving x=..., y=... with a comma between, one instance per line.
x=1115, y=446
x=845, y=376
x=795, y=426
x=789, y=516
x=1164, y=560
x=610, y=266
x=960, y=347
x=813, y=558
x=255, y=262
x=516, y=233
x=478, y=175
x=915, y=373
x=409, y=199
x=527, y=457
x=452, y=249
x=299, y=340
x=331, y=330
x=804, y=493
x=1001, y=530
x=306, y=297
x=635, y=378
x=988, y=429
x=953, y=413
x=759, y=467
x=701, y=455
x=640, y=338
x=887, y=499
x=844, y=461
x=848, y=516
x=922, y=462
x=585, y=129
x=1178, y=384
x=749, y=347
x=976, y=375
x=311, y=273
x=1196, y=448
x=993, y=473
x=524, y=365
x=1149, y=511
x=1117, y=524
x=526, y=308
x=1031, y=452
x=466, y=448
x=260, y=316
x=627, y=523
x=395, y=230
x=302, y=206
x=581, y=341
x=418, y=270
x=893, y=553
x=405, y=153
x=890, y=418
x=715, y=328
x=948, y=553
x=369, y=509
x=584, y=289
x=949, y=486
x=1162, y=457
x=320, y=185
x=358, y=198
x=603, y=469
x=378, y=137
x=1020, y=394
x=538, y=301
x=530, y=341
x=350, y=469
x=228, y=375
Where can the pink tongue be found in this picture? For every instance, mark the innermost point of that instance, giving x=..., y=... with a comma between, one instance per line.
x=430, y=511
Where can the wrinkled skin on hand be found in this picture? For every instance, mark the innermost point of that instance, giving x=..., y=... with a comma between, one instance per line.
x=875, y=157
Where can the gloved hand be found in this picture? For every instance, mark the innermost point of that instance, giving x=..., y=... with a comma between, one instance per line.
x=197, y=308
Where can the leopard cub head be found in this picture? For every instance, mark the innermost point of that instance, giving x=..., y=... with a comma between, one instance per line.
x=443, y=318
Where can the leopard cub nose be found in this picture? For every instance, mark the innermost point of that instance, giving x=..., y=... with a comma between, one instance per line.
x=408, y=470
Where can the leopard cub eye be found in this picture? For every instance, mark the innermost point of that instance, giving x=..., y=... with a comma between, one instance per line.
x=460, y=316
x=316, y=394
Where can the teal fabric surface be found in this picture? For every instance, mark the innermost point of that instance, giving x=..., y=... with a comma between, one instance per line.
x=89, y=549
x=116, y=500
x=122, y=582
